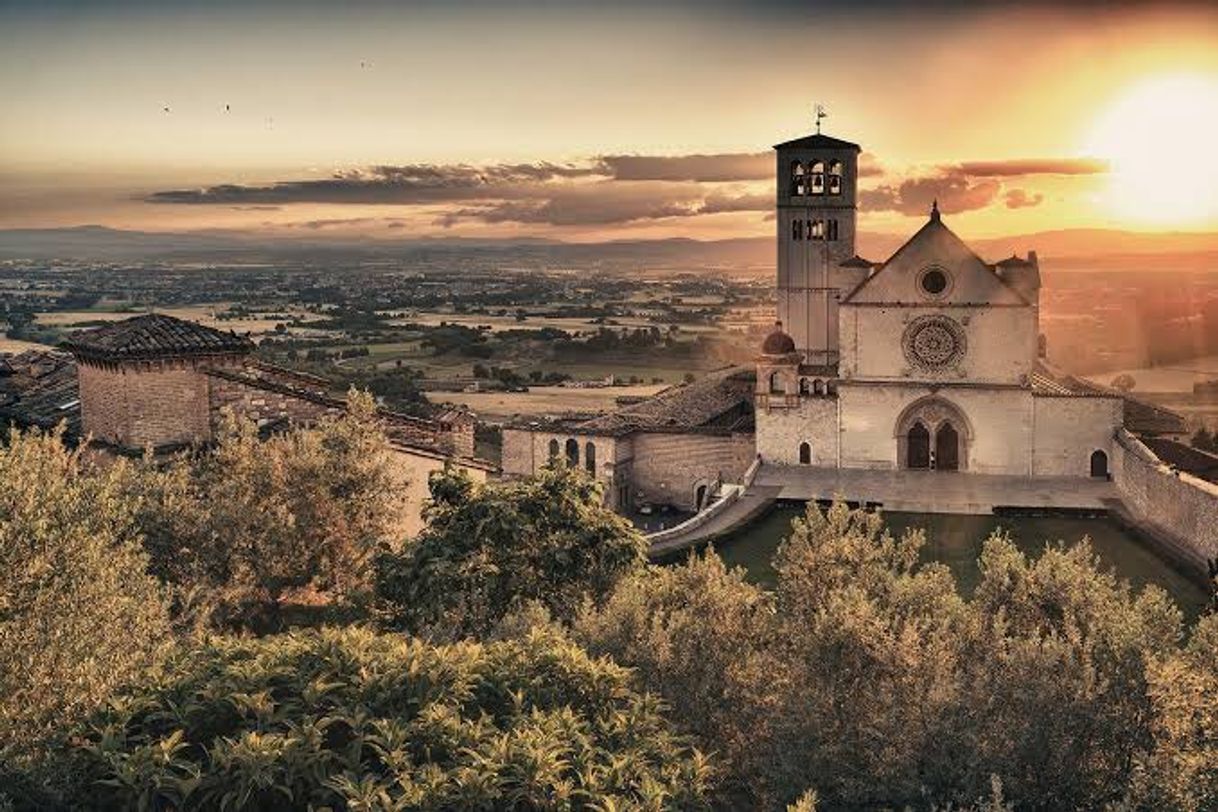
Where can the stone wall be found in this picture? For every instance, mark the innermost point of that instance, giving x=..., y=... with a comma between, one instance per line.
x=780, y=430
x=670, y=468
x=1069, y=429
x=999, y=425
x=149, y=403
x=411, y=469
x=263, y=405
x=1179, y=506
x=1001, y=343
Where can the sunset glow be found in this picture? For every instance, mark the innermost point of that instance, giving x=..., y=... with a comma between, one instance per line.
x=393, y=120
x=1160, y=138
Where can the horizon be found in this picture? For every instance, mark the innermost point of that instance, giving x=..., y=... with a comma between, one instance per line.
x=373, y=124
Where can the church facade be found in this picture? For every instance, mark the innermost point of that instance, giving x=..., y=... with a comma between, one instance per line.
x=930, y=360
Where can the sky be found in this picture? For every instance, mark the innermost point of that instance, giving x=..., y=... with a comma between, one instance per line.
x=592, y=121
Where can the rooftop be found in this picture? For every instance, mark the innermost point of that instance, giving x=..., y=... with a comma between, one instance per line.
x=719, y=403
x=154, y=335
x=38, y=390
x=818, y=141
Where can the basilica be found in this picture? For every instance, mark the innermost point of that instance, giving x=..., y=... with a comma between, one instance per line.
x=931, y=359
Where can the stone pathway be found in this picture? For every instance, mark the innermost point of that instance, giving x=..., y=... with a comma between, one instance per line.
x=937, y=491
x=904, y=491
x=755, y=501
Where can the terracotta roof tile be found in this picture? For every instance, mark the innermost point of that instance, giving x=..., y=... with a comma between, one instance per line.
x=154, y=335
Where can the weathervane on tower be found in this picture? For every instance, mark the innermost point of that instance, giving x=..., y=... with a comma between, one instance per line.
x=820, y=113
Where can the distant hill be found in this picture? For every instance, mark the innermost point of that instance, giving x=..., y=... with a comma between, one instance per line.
x=1069, y=249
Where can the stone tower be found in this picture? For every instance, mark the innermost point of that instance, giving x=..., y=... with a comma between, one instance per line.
x=817, y=203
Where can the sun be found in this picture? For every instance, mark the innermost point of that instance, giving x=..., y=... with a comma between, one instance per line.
x=1160, y=138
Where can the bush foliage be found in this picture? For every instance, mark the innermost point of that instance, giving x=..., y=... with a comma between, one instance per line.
x=351, y=719
x=488, y=550
x=79, y=616
x=239, y=527
x=868, y=677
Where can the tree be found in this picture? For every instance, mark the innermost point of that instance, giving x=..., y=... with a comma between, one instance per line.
x=488, y=549
x=245, y=524
x=79, y=615
x=1181, y=771
x=866, y=676
x=349, y=719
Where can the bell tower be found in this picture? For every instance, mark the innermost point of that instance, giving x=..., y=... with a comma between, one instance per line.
x=817, y=203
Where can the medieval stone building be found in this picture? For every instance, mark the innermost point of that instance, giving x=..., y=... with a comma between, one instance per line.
x=154, y=382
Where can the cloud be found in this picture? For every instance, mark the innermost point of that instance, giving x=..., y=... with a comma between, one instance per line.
x=1019, y=199
x=735, y=166
x=717, y=203
x=971, y=185
x=914, y=196
x=407, y=185
x=1031, y=166
x=601, y=203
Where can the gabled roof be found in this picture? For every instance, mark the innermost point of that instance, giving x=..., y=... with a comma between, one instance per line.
x=949, y=241
x=818, y=141
x=154, y=335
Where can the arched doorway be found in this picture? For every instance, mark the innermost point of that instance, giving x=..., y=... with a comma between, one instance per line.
x=805, y=454
x=917, y=446
x=573, y=453
x=1099, y=464
x=947, y=447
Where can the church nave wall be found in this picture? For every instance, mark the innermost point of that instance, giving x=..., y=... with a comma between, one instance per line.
x=781, y=430
x=996, y=440
x=1068, y=430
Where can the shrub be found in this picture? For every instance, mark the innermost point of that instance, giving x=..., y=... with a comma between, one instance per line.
x=866, y=676
x=352, y=719
x=486, y=550
x=79, y=615
x=245, y=524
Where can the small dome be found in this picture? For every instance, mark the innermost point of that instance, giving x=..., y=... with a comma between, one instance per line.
x=778, y=342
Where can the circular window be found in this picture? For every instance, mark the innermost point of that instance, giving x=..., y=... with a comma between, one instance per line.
x=934, y=282
x=933, y=343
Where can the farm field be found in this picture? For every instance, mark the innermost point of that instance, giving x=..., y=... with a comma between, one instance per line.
x=203, y=314
x=539, y=400
x=14, y=345
x=500, y=323
x=1175, y=377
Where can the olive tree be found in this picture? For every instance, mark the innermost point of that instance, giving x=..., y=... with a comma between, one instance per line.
x=487, y=550
x=79, y=614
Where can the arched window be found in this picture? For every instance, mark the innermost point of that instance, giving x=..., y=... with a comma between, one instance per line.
x=798, y=180
x=1099, y=464
x=947, y=447
x=917, y=447
x=816, y=230
x=776, y=387
x=553, y=449
x=797, y=229
x=803, y=386
x=805, y=454
x=818, y=178
x=835, y=177
x=818, y=388
x=573, y=452
x=831, y=230
x=590, y=458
